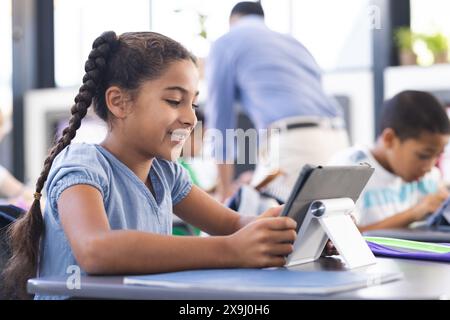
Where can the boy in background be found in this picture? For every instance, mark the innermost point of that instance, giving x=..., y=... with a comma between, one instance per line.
x=191, y=149
x=406, y=186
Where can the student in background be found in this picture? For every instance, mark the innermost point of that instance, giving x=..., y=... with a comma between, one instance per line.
x=191, y=149
x=109, y=206
x=196, y=160
x=12, y=190
x=406, y=185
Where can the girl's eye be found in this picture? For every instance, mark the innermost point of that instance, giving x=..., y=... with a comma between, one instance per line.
x=424, y=156
x=173, y=102
x=176, y=103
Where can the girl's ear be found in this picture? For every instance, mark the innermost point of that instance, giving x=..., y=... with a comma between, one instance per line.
x=389, y=137
x=117, y=101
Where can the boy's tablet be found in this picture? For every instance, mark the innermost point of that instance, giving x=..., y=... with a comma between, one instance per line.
x=436, y=228
x=440, y=219
x=331, y=182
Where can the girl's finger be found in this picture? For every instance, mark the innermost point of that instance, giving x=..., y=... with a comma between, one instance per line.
x=281, y=249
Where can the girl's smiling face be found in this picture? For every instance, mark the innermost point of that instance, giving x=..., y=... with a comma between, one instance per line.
x=161, y=116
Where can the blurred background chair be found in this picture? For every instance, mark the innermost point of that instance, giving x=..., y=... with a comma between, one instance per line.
x=8, y=214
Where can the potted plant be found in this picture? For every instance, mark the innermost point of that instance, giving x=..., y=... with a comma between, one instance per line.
x=438, y=45
x=404, y=39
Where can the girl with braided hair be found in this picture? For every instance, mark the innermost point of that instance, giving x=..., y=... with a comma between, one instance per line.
x=109, y=206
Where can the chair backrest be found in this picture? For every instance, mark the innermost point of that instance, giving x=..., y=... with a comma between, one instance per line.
x=8, y=214
x=244, y=122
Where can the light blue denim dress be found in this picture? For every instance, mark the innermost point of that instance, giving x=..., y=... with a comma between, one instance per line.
x=128, y=202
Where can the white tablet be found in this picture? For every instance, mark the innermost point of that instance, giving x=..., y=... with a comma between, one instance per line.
x=340, y=184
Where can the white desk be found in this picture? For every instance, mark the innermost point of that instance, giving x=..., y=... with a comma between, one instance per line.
x=422, y=280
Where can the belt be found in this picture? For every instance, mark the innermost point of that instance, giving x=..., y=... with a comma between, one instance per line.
x=308, y=122
x=301, y=125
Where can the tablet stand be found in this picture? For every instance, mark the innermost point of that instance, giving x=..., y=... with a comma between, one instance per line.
x=330, y=219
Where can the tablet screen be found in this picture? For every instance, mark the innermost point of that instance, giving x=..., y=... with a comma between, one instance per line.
x=441, y=217
x=331, y=182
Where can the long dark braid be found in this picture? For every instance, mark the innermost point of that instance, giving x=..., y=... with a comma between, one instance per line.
x=25, y=233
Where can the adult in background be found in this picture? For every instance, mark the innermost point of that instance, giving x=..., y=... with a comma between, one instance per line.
x=277, y=84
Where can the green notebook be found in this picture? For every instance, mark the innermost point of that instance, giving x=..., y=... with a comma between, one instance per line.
x=411, y=245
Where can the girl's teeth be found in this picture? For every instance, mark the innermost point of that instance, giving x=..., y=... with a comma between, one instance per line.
x=179, y=136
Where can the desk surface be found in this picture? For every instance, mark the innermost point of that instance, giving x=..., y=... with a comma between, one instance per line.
x=421, y=280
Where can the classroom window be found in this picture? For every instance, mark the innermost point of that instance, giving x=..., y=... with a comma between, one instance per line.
x=429, y=17
x=184, y=20
x=337, y=33
x=193, y=23
x=78, y=23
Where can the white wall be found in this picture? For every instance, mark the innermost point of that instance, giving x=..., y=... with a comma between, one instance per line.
x=358, y=86
x=39, y=105
x=396, y=79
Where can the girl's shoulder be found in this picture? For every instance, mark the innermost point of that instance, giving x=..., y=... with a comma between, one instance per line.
x=82, y=154
x=83, y=158
x=79, y=164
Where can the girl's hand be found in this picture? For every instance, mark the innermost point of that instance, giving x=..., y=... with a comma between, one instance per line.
x=272, y=212
x=264, y=242
x=329, y=250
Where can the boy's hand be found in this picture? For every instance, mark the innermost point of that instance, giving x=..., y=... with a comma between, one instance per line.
x=429, y=204
x=264, y=242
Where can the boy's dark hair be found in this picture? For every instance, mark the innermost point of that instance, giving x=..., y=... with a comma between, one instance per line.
x=411, y=113
x=247, y=7
x=125, y=61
